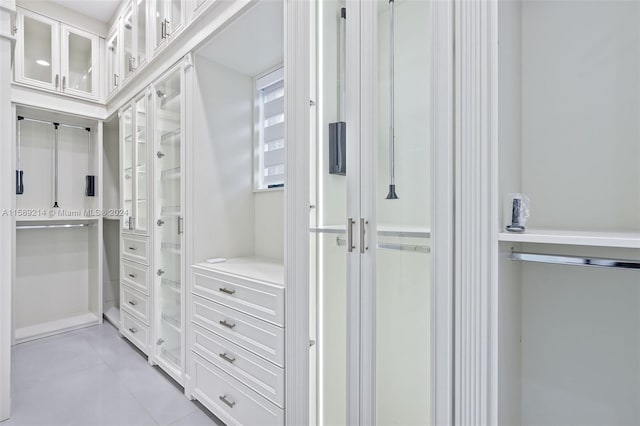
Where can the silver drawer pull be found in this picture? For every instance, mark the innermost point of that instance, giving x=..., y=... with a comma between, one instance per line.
x=133, y=330
x=132, y=248
x=227, y=324
x=133, y=302
x=226, y=290
x=132, y=275
x=227, y=358
x=224, y=399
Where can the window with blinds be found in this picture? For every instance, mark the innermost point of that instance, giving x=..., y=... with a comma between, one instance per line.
x=270, y=129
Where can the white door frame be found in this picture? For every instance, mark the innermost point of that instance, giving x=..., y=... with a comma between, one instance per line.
x=361, y=393
x=7, y=194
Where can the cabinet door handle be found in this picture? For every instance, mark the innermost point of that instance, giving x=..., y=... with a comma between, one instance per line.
x=57, y=80
x=115, y=80
x=159, y=272
x=363, y=222
x=180, y=226
x=133, y=302
x=132, y=275
x=227, y=358
x=224, y=399
x=64, y=82
x=163, y=29
x=132, y=248
x=227, y=324
x=166, y=28
x=226, y=290
x=133, y=330
x=350, y=223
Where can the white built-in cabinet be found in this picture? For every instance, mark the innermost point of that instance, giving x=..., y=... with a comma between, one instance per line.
x=152, y=267
x=112, y=61
x=57, y=57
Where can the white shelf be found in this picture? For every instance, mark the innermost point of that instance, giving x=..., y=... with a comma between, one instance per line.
x=50, y=328
x=57, y=219
x=575, y=238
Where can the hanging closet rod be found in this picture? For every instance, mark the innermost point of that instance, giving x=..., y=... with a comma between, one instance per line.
x=393, y=246
x=67, y=225
x=575, y=260
x=35, y=120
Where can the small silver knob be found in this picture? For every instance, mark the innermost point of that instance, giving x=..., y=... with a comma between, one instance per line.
x=160, y=272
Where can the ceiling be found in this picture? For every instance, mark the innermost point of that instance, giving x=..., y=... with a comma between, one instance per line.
x=252, y=43
x=102, y=10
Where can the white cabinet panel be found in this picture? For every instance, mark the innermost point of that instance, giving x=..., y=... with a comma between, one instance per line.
x=79, y=67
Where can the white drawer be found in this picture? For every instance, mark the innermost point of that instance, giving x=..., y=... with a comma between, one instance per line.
x=257, y=336
x=135, y=303
x=135, y=248
x=135, y=331
x=262, y=300
x=230, y=400
x=253, y=371
x=135, y=276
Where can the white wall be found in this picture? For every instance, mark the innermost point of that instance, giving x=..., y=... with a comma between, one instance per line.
x=269, y=224
x=580, y=108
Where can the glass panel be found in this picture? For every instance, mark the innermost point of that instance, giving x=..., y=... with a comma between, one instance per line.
x=176, y=14
x=329, y=196
x=168, y=210
x=112, y=63
x=127, y=42
x=127, y=165
x=80, y=63
x=160, y=16
x=141, y=31
x=403, y=275
x=37, y=50
x=141, y=165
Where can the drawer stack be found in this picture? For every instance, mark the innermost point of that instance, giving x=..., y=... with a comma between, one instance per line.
x=237, y=340
x=135, y=303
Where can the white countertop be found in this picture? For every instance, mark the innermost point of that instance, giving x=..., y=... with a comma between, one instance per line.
x=257, y=268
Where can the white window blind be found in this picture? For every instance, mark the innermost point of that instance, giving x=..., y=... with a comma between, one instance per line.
x=270, y=170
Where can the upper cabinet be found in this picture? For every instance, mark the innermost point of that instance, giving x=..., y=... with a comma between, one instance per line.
x=168, y=21
x=113, y=61
x=57, y=57
x=134, y=37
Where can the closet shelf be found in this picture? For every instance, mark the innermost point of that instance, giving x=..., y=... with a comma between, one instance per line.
x=171, y=247
x=575, y=238
x=172, y=355
x=172, y=320
x=171, y=173
x=169, y=138
x=57, y=219
x=173, y=285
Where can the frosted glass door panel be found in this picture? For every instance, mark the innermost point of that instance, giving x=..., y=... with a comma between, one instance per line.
x=127, y=167
x=141, y=223
x=141, y=33
x=127, y=42
x=168, y=232
x=80, y=63
x=329, y=271
x=113, y=62
x=39, y=49
x=403, y=275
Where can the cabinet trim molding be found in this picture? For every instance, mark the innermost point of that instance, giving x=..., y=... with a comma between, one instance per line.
x=475, y=219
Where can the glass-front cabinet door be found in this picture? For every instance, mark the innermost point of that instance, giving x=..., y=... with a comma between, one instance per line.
x=135, y=159
x=141, y=33
x=126, y=161
x=113, y=62
x=128, y=57
x=38, y=50
x=168, y=225
x=169, y=20
x=79, y=56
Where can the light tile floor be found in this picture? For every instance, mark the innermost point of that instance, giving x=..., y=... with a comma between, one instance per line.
x=94, y=377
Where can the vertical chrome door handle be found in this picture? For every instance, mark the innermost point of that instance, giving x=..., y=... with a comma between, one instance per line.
x=64, y=82
x=180, y=225
x=57, y=80
x=363, y=247
x=115, y=80
x=350, y=223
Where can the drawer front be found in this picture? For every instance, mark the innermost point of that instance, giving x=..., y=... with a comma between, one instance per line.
x=136, y=304
x=135, y=331
x=231, y=401
x=252, y=297
x=253, y=371
x=136, y=276
x=253, y=334
x=135, y=248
